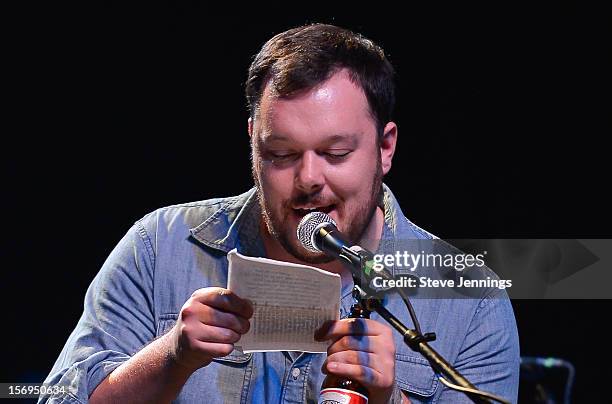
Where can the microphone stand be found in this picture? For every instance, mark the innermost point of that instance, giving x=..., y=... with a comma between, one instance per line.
x=413, y=338
x=419, y=343
x=327, y=238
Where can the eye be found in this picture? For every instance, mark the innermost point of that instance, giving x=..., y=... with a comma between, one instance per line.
x=282, y=155
x=337, y=154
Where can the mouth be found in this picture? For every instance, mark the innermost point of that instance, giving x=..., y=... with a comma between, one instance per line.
x=304, y=210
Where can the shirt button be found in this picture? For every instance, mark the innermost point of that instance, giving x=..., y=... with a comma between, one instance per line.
x=295, y=373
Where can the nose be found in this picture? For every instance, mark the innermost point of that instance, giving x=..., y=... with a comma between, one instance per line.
x=309, y=176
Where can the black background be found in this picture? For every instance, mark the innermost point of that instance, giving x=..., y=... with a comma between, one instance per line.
x=114, y=111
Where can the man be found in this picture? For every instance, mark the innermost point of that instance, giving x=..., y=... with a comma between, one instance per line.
x=159, y=324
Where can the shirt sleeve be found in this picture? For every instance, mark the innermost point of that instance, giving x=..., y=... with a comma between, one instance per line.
x=490, y=356
x=117, y=321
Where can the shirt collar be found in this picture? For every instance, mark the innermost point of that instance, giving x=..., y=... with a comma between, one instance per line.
x=236, y=224
x=227, y=227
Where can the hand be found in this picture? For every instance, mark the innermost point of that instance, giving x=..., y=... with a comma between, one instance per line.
x=362, y=350
x=208, y=326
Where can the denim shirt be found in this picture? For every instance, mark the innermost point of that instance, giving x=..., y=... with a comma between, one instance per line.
x=168, y=254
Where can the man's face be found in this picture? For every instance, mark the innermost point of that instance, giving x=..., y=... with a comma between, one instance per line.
x=316, y=151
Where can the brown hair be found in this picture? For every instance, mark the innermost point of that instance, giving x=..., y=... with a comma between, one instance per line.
x=301, y=58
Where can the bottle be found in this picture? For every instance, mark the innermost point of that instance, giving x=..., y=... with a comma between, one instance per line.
x=341, y=390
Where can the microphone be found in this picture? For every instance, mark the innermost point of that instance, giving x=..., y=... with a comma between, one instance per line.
x=317, y=232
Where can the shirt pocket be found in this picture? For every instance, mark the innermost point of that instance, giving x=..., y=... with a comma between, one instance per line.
x=414, y=375
x=225, y=380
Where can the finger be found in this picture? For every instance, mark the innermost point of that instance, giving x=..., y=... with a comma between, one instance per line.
x=352, y=326
x=365, y=375
x=225, y=300
x=355, y=358
x=352, y=343
x=211, y=316
x=216, y=350
x=209, y=333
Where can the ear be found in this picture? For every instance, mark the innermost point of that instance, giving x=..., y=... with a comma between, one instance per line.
x=250, y=127
x=387, y=146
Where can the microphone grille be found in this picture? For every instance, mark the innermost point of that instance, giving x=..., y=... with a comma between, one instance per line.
x=309, y=225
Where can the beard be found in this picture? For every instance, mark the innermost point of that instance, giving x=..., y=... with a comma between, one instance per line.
x=353, y=226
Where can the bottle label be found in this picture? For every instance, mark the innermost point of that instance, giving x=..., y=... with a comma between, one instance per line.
x=334, y=395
